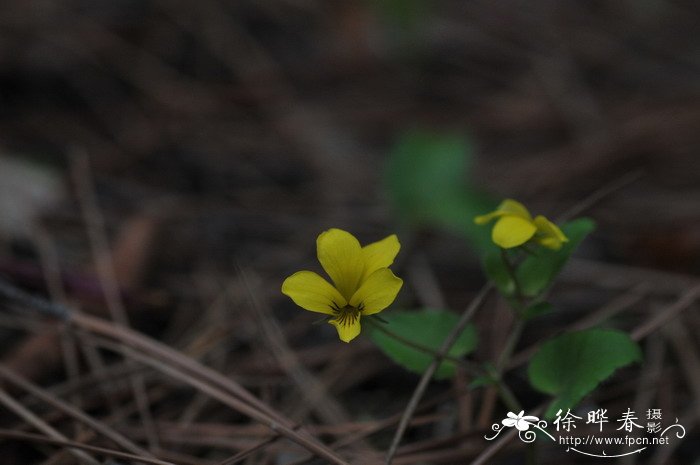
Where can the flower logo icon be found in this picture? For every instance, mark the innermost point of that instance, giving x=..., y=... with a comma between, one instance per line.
x=520, y=421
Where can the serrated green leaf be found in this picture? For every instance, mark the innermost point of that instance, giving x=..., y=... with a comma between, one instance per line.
x=538, y=270
x=426, y=328
x=572, y=365
x=426, y=179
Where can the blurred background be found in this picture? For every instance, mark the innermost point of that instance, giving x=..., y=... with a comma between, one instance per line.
x=187, y=154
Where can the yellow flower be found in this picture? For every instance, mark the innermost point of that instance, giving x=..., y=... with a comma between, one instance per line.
x=362, y=282
x=515, y=227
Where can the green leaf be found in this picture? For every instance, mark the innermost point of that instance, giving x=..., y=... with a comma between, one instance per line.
x=538, y=270
x=535, y=310
x=571, y=365
x=497, y=272
x=428, y=329
x=426, y=179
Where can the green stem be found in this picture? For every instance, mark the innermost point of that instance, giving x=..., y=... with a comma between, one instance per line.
x=510, y=268
x=513, y=338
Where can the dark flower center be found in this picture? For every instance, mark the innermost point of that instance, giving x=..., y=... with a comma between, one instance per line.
x=347, y=315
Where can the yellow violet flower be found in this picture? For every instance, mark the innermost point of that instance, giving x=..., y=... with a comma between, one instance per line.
x=515, y=226
x=362, y=285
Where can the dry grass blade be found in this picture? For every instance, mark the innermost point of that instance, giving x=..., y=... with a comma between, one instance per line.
x=42, y=426
x=168, y=360
x=666, y=315
x=18, y=436
x=600, y=194
x=683, y=344
x=108, y=279
x=378, y=426
x=244, y=454
x=176, y=364
x=174, y=357
x=304, y=440
x=71, y=411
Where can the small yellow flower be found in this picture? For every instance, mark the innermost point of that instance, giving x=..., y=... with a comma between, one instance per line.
x=515, y=227
x=362, y=282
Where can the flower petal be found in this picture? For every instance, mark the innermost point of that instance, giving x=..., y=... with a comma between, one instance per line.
x=311, y=292
x=512, y=231
x=522, y=425
x=340, y=255
x=377, y=292
x=379, y=254
x=509, y=422
x=507, y=207
x=347, y=330
x=513, y=207
x=483, y=219
x=550, y=235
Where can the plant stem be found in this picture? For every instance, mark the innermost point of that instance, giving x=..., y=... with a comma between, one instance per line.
x=512, y=341
x=519, y=296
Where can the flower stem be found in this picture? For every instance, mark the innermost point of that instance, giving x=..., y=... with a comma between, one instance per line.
x=521, y=305
x=517, y=331
x=510, y=268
